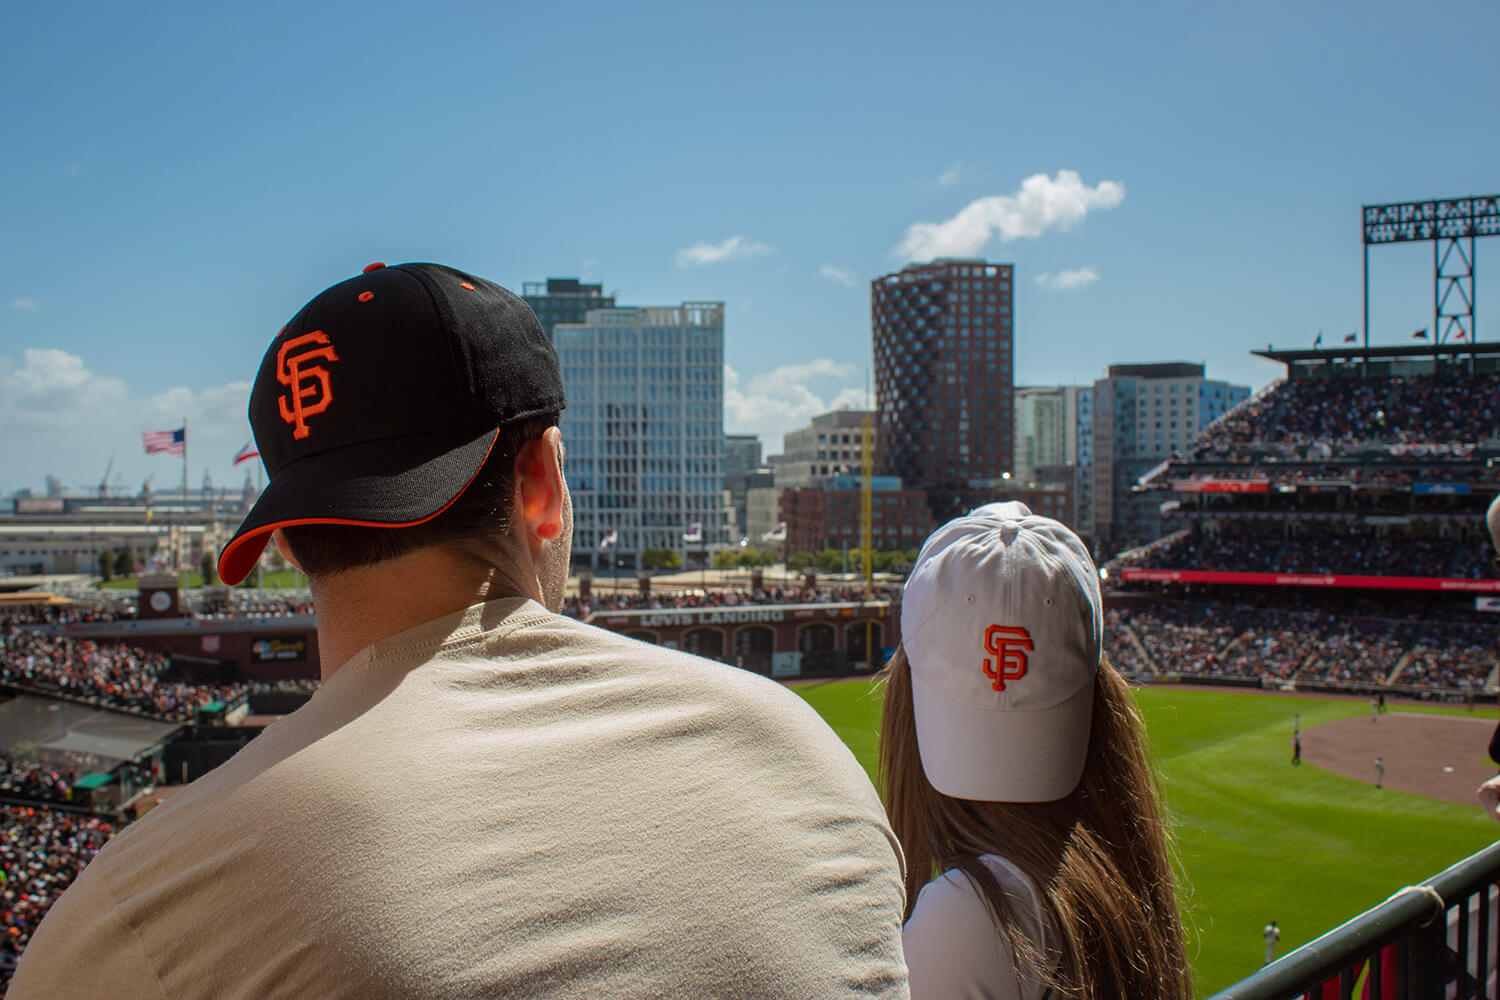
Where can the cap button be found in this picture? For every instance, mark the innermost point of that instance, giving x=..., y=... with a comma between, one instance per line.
x=374, y=267
x=1009, y=530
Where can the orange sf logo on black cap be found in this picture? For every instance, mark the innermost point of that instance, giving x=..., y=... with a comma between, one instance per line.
x=1008, y=644
x=308, y=389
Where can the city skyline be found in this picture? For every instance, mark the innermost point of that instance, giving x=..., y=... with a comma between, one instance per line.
x=1170, y=183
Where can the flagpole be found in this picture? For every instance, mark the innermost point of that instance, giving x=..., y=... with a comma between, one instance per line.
x=182, y=511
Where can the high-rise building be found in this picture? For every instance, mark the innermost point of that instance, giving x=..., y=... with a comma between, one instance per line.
x=1083, y=491
x=563, y=300
x=741, y=465
x=1046, y=431
x=741, y=454
x=1140, y=416
x=831, y=445
x=943, y=335
x=644, y=431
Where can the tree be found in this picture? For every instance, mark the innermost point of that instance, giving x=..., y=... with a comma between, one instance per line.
x=107, y=565
x=751, y=558
x=800, y=560
x=206, y=567
x=124, y=562
x=661, y=559
x=831, y=560
x=726, y=559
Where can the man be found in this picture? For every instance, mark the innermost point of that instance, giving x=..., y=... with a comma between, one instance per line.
x=483, y=799
x=1272, y=935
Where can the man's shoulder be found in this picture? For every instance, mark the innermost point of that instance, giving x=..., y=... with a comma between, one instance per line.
x=754, y=699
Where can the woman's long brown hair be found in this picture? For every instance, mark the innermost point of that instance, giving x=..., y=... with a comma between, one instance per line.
x=1099, y=857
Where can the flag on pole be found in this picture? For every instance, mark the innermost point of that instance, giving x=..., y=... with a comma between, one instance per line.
x=609, y=539
x=694, y=533
x=1461, y=335
x=171, y=442
x=246, y=453
x=1419, y=335
x=1350, y=338
x=1319, y=341
x=776, y=534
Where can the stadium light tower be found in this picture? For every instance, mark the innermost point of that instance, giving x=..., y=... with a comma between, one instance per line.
x=1451, y=224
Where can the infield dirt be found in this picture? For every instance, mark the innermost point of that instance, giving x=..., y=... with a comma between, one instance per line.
x=1439, y=756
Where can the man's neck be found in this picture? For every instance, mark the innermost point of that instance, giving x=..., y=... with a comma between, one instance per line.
x=360, y=607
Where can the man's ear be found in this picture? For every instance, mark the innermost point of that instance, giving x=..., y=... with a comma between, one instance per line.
x=540, y=487
x=285, y=548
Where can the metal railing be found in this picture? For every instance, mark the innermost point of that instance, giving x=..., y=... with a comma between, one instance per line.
x=1431, y=941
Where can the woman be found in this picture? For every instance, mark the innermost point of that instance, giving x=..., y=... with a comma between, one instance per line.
x=1017, y=781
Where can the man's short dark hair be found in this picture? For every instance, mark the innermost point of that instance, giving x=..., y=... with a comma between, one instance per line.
x=482, y=510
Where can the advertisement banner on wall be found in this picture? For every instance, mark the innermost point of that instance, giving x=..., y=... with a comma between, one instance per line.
x=1441, y=489
x=1221, y=485
x=786, y=664
x=1313, y=580
x=279, y=649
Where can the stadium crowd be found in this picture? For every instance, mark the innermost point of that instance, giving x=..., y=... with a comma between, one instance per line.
x=1365, y=554
x=104, y=674
x=1347, y=414
x=35, y=781
x=1341, y=643
x=41, y=852
x=577, y=607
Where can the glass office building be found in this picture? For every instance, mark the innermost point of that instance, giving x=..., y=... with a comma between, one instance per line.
x=644, y=431
x=563, y=300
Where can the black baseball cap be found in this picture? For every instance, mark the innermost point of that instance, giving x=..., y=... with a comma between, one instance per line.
x=378, y=403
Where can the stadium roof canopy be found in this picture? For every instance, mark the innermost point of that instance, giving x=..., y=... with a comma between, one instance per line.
x=68, y=734
x=1352, y=353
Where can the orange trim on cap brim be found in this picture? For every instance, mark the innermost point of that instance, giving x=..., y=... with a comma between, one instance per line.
x=239, y=545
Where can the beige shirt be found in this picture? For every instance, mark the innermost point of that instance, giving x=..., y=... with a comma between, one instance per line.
x=502, y=803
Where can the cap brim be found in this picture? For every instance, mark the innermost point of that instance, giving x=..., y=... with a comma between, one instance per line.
x=1001, y=756
x=380, y=484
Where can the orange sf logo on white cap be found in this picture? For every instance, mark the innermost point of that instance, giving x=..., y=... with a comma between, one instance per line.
x=1008, y=644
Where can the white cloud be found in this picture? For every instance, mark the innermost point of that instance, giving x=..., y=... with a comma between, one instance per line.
x=57, y=416
x=842, y=275
x=711, y=253
x=27, y=303
x=1063, y=281
x=952, y=174
x=783, y=399
x=1042, y=203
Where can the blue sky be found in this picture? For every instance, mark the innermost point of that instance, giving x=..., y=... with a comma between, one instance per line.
x=178, y=179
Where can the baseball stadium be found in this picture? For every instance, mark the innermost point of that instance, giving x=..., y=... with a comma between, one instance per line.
x=1312, y=641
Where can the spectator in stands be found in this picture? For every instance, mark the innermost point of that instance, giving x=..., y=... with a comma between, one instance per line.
x=1017, y=779
x=41, y=852
x=484, y=798
x=1489, y=792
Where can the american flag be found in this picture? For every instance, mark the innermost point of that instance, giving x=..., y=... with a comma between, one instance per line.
x=171, y=442
x=246, y=453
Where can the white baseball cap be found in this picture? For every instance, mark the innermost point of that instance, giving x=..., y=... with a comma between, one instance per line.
x=1492, y=521
x=1003, y=627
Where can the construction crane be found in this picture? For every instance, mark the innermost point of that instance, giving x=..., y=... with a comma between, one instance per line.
x=104, y=480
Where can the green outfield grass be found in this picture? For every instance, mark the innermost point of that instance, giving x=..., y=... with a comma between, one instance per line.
x=281, y=579
x=1258, y=839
